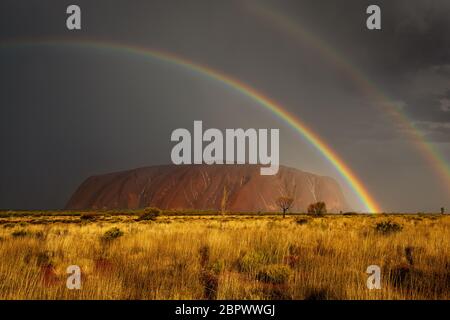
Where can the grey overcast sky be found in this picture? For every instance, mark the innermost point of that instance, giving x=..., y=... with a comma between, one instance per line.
x=68, y=112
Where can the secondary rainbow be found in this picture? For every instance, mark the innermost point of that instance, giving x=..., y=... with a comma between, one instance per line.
x=299, y=32
x=351, y=179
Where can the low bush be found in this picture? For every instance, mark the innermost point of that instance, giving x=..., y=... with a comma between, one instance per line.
x=275, y=273
x=90, y=216
x=20, y=233
x=112, y=234
x=149, y=214
x=251, y=261
x=9, y=225
x=388, y=227
x=315, y=294
x=301, y=221
x=317, y=208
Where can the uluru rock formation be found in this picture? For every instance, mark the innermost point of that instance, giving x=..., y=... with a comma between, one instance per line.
x=202, y=187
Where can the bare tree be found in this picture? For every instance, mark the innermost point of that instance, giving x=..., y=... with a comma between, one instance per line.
x=317, y=208
x=285, y=204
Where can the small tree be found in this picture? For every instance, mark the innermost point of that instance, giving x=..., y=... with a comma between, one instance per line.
x=285, y=204
x=317, y=208
x=442, y=210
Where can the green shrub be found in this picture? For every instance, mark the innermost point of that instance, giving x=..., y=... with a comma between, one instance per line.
x=149, y=214
x=217, y=266
x=112, y=234
x=90, y=216
x=9, y=225
x=388, y=227
x=301, y=221
x=251, y=261
x=19, y=233
x=274, y=273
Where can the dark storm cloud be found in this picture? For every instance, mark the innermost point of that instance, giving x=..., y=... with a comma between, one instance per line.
x=421, y=31
x=435, y=131
x=431, y=108
x=421, y=45
x=425, y=93
x=434, y=114
x=414, y=56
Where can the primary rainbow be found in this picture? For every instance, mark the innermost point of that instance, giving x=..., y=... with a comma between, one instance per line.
x=297, y=31
x=351, y=179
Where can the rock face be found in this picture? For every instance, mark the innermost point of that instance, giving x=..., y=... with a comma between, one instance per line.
x=206, y=187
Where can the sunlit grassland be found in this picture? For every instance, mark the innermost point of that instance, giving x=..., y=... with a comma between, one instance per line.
x=224, y=257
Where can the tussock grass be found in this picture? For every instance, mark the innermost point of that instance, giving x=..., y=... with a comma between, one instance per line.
x=232, y=257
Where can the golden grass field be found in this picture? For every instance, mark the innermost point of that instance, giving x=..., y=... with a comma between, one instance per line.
x=224, y=257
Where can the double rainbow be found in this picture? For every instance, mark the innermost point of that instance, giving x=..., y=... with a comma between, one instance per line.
x=349, y=176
